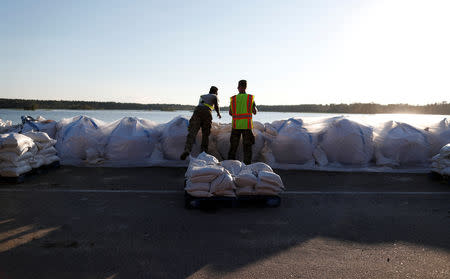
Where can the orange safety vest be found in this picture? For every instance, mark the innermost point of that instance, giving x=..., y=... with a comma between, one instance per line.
x=241, y=109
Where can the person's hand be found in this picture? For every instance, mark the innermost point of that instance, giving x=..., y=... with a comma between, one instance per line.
x=220, y=116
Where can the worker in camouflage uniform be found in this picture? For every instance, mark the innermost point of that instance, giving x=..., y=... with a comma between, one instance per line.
x=242, y=108
x=202, y=118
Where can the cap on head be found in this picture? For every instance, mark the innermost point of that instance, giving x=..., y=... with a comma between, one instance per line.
x=213, y=90
x=242, y=83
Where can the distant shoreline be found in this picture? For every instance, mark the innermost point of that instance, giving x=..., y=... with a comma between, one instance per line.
x=442, y=108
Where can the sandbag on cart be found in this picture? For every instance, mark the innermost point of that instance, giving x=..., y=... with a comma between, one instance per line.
x=230, y=182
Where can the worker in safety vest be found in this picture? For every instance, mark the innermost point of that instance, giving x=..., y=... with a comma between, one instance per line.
x=242, y=106
x=202, y=118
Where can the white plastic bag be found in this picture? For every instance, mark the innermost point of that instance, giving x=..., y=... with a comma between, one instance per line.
x=131, y=140
x=76, y=135
x=289, y=141
x=401, y=144
x=347, y=142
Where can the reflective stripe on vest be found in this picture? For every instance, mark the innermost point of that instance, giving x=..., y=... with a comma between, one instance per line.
x=241, y=110
x=211, y=107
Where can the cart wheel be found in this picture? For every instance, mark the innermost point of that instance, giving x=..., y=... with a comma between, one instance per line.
x=435, y=176
x=191, y=204
x=273, y=202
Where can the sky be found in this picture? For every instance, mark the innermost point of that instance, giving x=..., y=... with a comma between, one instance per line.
x=290, y=52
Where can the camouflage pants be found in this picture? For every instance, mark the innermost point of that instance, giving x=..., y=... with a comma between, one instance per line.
x=201, y=118
x=248, y=140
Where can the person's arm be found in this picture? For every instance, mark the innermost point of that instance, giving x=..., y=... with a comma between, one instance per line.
x=216, y=106
x=254, y=109
x=229, y=111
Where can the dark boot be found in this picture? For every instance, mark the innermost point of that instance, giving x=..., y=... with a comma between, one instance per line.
x=184, y=155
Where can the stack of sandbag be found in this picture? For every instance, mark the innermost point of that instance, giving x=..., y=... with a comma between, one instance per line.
x=441, y=162
x=400, y=144
x=16, y=151
x=289, y=142
x=131, y=141
x=80, y=139
x=346, y=142
x=258, y=179
x=46, y=153
x=206, y=178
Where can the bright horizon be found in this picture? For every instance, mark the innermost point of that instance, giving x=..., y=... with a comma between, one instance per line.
x=292, y=52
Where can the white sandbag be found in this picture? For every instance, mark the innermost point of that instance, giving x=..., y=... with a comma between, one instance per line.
x=347, y=142
x=15, y=164
x=197, y=186
x=233, y=166
x=290, y=142
x=13, y=157
x=268, y=186
x=200, y=194
x=209, y=159
x=445, y=151
x=203, y=178
x=225, y=193
x=14, y=142
x=246, y=177
x=445, y=171
x=51, y=159
x=245, y=191
x=15, y=171
x=47, y=151
x=41, y=125
x=221, y=137
x=222, y=183
x=401, y=144
x=212, y=170
x=38, y=136
x=266, y=192
x=260, y=166
x=131, y=140
x=76, y=135
x=270, y=178
x=44, y=145
x=37, y=161
x=194, y=162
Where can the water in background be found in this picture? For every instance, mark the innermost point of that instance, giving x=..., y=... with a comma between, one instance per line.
x=417, y=120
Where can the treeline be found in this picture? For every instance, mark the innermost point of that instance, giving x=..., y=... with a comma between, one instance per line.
x=365, y=108
x=85, y=105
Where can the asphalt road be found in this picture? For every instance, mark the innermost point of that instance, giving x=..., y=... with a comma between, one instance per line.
x=131, y=223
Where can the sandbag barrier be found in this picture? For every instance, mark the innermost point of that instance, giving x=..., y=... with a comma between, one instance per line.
x=336, y=143
x=25, y=154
